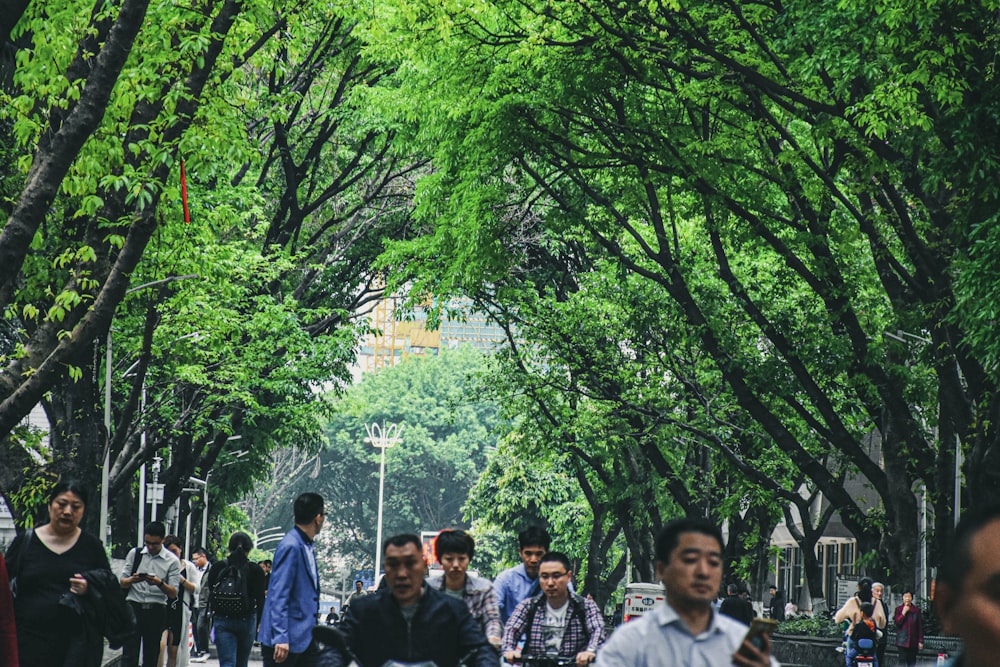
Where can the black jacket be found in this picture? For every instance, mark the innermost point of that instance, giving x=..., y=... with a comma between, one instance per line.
x=442, y=631
x=736, y=607
x=105, y=614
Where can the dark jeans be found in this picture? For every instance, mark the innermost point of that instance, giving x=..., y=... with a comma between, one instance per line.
x=307, y=658
x=150, y=622
x=234, y=639
x=201, y=622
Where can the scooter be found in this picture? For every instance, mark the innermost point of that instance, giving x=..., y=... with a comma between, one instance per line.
x=864, y=655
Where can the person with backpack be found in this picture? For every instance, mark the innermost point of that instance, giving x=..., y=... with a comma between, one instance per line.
x=558, y=623
x=235, y=597
x=151, y=576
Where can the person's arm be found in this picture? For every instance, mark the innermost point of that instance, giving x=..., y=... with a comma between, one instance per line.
x=472, y=639
x=879, y=616
x=846, y=613
x=8, y=634
x=491, y=615
x=918, y=621
x=280, y=591
x=513, y=629
x=501, y=586
x=194, y=578
x=172, y=581
x=595, y=625
x=623, y=649
x=127, y=578
x=258, y=590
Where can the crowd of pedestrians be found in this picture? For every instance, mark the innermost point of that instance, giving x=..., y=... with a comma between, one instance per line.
x=57, y=576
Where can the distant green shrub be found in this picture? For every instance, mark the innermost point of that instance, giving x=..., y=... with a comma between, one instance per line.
x=812, y=626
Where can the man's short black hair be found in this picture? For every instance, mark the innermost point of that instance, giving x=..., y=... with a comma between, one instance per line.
x=670, y=535
x=557, y=557
x=867, y=608
x=155, y=529
x=307, y=507
x=450, y=541
x=732, y=589
x=266, y=561
x=402, y=540
x=200, y=550
x=533, y=536
x=958, y=561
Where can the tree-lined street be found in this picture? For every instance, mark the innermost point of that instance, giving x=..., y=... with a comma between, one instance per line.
x=743, y=255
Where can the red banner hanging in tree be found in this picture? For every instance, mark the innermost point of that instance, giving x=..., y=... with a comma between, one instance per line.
x=184, y=194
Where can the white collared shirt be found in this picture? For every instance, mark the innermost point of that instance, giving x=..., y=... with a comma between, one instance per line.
x=163, y=565
x=661, y=639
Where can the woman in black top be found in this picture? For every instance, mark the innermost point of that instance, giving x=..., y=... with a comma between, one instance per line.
x=49, y=564
x=235, y=622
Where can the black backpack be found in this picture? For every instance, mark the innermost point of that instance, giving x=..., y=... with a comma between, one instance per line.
x=230, y=594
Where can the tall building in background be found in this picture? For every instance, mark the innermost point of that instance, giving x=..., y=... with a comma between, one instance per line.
x=397, y=336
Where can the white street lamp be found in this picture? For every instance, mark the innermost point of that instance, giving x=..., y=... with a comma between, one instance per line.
x=105, y=469
x=381, y=436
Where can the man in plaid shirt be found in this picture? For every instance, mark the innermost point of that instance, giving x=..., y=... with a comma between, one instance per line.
x=558, y=623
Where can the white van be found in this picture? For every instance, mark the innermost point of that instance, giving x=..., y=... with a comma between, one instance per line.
x=640, y=598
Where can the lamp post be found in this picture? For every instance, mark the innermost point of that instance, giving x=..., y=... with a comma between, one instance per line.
x=105, y=469
x=381, y=436
x=203, y=484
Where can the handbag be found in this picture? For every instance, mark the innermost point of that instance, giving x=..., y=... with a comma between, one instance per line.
x=28, y=534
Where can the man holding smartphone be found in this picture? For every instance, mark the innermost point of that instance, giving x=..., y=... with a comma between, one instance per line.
x=686, y=631
x=151, y=583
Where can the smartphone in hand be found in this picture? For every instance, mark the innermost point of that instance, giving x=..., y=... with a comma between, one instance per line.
x=755, y=635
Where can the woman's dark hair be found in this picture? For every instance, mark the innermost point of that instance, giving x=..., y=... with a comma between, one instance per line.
x=240, y=544
x=173, y=539
x=74, y=486
x=450, y=541
x=865, y=590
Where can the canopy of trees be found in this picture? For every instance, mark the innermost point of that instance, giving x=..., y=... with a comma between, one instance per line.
x=746, y=252
x=742, y=234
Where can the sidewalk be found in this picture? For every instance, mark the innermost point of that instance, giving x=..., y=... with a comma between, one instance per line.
x=113, y=658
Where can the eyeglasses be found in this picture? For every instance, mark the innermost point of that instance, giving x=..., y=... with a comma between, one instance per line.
x=546, y=576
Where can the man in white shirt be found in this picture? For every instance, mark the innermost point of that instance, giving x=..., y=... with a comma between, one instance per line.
x=156, y=577
x=686, y=631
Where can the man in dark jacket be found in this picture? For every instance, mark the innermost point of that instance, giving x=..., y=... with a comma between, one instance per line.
x=735, y=606
x=409, y=622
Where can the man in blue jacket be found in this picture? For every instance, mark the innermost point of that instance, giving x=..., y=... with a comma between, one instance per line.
x=293, y=593
x=517, y=584
x=410, y=621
